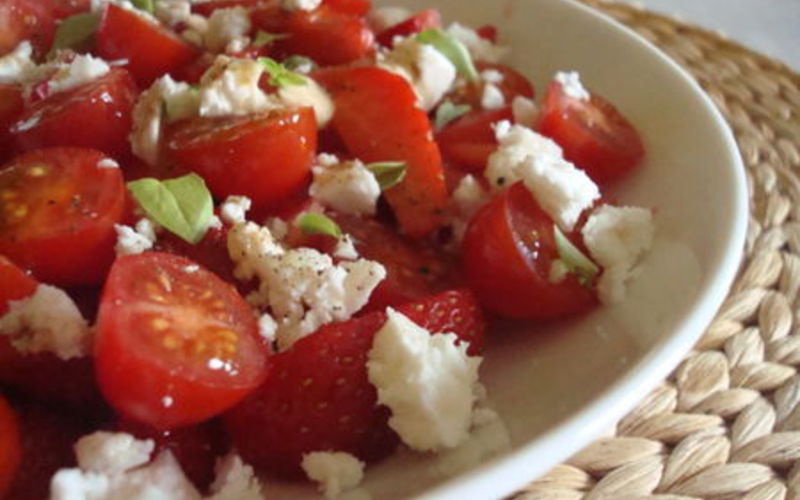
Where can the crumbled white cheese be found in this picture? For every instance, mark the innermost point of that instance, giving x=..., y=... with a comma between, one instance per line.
x=429, y=72
x=492, y=76
x=267, y=327
x=468, y=197
x=480, y=48
x=345, y=249
x=234, y=209
x=525, y=111
x=382, y=18
x=347, y=187
x=15, y=64
x=231, y=87
x=302, y=287
x=112, y=452
x=312, y=95
x=427, y=381
x=226, y=26
x=307, y=5
x=571, y=85
x=82, y=69
x=107, y=163
x=336, y=472
x=135, y=240
x=235, y=480
x=196, y=29
x=617, y=238
x=492, y=97
x=47, y=321
x=561, y=189
x=172, y=12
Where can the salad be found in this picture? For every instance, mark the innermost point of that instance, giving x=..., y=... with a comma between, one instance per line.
x=245, y=241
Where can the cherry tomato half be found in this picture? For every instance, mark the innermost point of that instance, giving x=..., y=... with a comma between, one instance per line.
x=57, y=214
x=508, y=251
x=419, y=22
x=469, y=141
x=175, y=344
x=10, y=446
x=513, y=84
x=26, y=20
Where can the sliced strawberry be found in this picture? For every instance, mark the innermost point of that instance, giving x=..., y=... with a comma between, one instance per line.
x=317, y=395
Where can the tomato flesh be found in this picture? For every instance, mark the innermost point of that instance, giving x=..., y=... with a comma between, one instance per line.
x=59, y=202
x=15, y=284
x=10, y=446
x=429, y=18
x=175, y=344
x=22, y=20
x=469, y=141
x=593, y=134
x=508, y=251
x=11, y=105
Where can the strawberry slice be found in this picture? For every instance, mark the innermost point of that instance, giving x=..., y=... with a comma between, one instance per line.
x=317, y=395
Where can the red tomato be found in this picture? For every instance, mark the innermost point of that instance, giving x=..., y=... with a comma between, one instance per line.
x=94, y=115
x=175, y=344
x=325, y=35
x=508, y=250
x=11, y=105
x=150, y=49
x=378, y=119
x=488, y=32
x=10, y=446
x=14, y=284
x=58, y=214
x=469, y=141
x=208, y=7
x=514, y=84
x=593, y=134
x=267, y=156
x=66, y=8
x=26, y=20
x=419, y=22
x=353, y=7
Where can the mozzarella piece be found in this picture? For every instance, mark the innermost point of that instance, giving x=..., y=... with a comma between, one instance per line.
x=234, y=209
x=571, y=85
x=336, y=472
x=427, y=381
x=17, y=63
x=617, y=238
x=430, y=73
x=347, y=187
x=480, y=48
x=47, y=321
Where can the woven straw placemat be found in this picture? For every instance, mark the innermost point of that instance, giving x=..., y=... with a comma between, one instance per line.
x=726, y=423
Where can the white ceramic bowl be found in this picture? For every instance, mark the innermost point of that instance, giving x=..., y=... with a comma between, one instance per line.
x=558, y=387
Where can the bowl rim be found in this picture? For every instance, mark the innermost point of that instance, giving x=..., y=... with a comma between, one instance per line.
x=511, y=472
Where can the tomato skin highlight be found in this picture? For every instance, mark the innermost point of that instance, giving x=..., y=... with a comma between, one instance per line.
x=266, y=156
x=510, y=271
x=10, y=446
x=150, y=49
x=96, y=115
x=593, y=134
x=62, y=204
x=169, y=370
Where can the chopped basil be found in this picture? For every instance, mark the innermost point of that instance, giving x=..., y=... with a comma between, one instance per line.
x=182, y=205
x=388, y=173
x=265, y=38
x=575, y=261
x=447, y=112
x=76, y=32
x=148, y=6
x=316, y=223
x=279, y=75
x=452, y=49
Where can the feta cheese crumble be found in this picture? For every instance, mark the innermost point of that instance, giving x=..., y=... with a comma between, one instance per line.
x=429, y=72
x=227, y=26
x=310, y=94
x=302, y=287
x=47, y=321
x=428, y=382
x=17, y=63
x=480, y=48
x=82, y=69
x=112, y=453
x=347, y=187
x=617, y=238
x=492, y=97
x=345, y=249
x=382, y=18
x=468, y=197
x=234, y=209
x=307, y=5
x=135, y=240
x=525, y=111
x=173, y=12
x=231, y=88
x=336, y=472
x=235, y=480
x=571, y=84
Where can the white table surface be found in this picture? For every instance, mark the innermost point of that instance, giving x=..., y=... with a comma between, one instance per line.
x=771, y=27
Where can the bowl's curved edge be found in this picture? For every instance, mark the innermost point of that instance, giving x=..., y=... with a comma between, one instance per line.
x=511, y=472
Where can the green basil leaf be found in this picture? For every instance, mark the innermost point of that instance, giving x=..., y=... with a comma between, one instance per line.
x=388, y=173
x=296, y=63
x=265, y=38
x=148, y=6
x=575, y=261
x=451, y=49
x=316, y=223
x=447, y=112
x=76, y=32
x=279, y=75
x=182, y=205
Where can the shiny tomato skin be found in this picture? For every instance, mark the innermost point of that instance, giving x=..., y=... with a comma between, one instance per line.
x=150, y=49
x=15, y=284
x=352, y=7
x=468, y=141
x=97, y=115
x=507, y=253
x=266, y=156
x=10, y=446
x=419, y=22
x=22, y=20
x=378, y=119
x=175, y=344
x=327, y=36
x=593, y=134
x=57, y=218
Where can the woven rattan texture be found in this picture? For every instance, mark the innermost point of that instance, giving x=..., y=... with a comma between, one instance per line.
x=726, y=424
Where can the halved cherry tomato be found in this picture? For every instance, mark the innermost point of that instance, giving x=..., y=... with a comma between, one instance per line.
x=66, y=8
x=208, y=7
x=10, y=446
x=175, y=344
x=419, y=22
x=469, y=141
x=508, y=251
x=22, y=20
x=58, y=212
x=488, y=32
x=150, y=49
x=15, y=284
x=266, y=156
x=325, y=35
x=353, y=7
x=94, y=115
x=513, y=84
x=593, y=134
x=11, y=105
x=378, y=119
